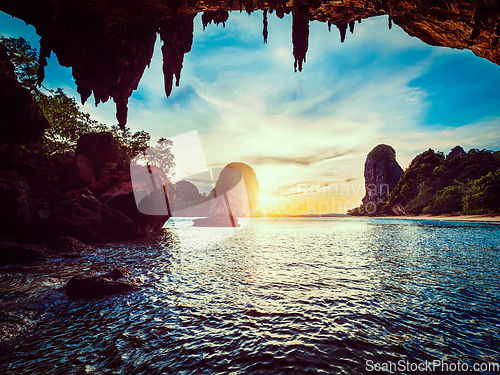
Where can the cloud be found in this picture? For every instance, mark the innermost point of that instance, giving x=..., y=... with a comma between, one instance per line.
x=307, y=161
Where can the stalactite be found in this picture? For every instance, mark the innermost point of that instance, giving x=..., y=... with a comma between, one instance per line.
x=329, y=26
x=45, y=51
x=177, y=36
x=121, y=110
x=249, y=6
x=264, y=21
x=231, y=5
x=84, y=92
x=343, y=29
x=217, y=16
x=390, y=22
x=351, y=27
x=241, y=5
x=300, y=34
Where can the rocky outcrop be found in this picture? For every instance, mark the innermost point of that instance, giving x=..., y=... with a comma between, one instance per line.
x=12, y=252
x=456, y=151
x=108, y=44
x=16, y=211
x=382, y=173
x=67, y=246
x=97, y=286
x=100, y=149
x=21, y=120
x=80, y=173
x=120, y=196
x=240, y=204
x=88, y=220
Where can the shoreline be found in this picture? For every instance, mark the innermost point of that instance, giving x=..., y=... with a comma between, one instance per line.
x=485, y=218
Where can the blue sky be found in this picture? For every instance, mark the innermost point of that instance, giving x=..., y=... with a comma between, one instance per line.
x=314, y=127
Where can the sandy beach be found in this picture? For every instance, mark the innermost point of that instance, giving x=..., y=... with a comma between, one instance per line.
x=490, y=218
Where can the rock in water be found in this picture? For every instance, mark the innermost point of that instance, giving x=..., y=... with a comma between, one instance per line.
x=238, y=206
x=382, y=173
x=98, y=286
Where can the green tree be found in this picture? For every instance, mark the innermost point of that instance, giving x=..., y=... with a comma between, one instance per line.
x=67, y=120
x=161, y=156
x=448, y=200
x=484, y=195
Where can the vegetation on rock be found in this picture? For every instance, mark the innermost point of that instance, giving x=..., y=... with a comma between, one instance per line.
x=460, y=183
x=67, y=121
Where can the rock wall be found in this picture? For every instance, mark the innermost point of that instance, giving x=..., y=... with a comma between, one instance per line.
x=21, y=120
x=109, y=43
x=382, y=173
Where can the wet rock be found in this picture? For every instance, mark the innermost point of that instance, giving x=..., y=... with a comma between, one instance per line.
x=12, y=252
x=97, y=286
x=88, y=220
x=16, y=212
x=67, y=246
x=382, y=173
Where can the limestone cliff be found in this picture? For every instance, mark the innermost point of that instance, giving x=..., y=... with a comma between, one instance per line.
x=21, y=120
x=382, y=173
x=240, y=203
x=109, y=43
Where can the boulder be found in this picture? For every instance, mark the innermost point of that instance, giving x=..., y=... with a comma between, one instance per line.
x=101, y=149
x=89, y=220
x=382, y=173
x=16, y=212
x=67, y=246
x=12, y=252
x=80, y=173
x=120, y=196
x=97, y=286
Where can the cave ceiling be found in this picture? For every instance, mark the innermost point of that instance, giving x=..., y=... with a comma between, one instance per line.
x=108, y=44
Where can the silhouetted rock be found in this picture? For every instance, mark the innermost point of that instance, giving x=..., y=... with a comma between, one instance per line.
x=120, y=196
x=382, y=173
x=241, y=204
x=67, y=246
x=456, y=151
x=12, y=252
x=223, y=220
x=80, y=173
x=98, y=286
x=16, y=212
x=88, y=220
x=101, y=149
x=21, y=120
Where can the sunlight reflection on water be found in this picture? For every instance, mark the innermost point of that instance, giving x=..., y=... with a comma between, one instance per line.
x=282, y=295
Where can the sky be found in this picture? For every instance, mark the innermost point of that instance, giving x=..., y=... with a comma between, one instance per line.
x=306, y=134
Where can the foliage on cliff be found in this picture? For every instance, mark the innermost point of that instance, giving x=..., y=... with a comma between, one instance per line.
x=433, y=184
x=67, y=121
